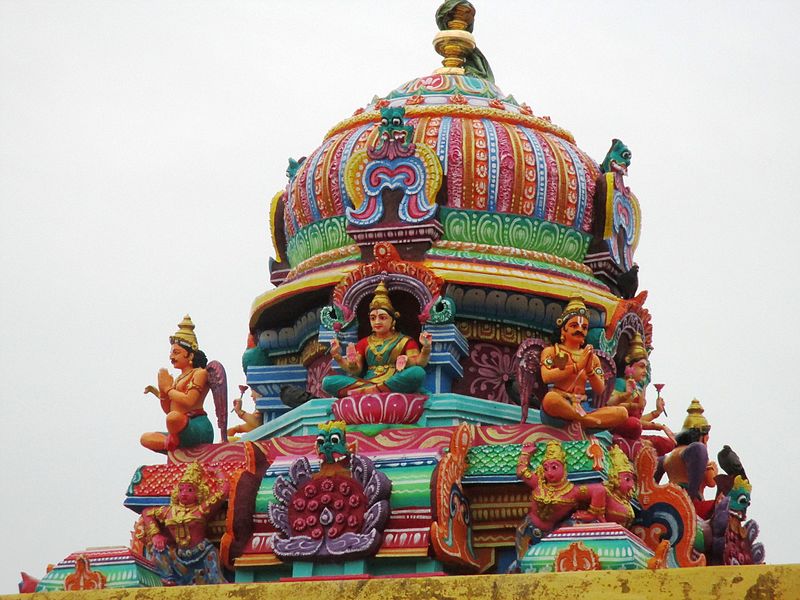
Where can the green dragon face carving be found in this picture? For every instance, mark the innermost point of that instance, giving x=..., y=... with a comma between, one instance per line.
x=618, y=158
x=393, y=126
x=331, y=442
x=740, y=496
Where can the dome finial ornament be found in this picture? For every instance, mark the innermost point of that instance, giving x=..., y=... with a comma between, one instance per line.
x=455, y=19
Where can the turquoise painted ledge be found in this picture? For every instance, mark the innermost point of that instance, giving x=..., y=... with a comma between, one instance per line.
x=441, y=410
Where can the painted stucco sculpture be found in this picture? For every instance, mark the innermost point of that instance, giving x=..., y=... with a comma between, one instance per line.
x=568, y=366
x=629, y=392
x=384, y=361
x=337, y=513
x=182, y=397
x=455, y=299
x=177, y=534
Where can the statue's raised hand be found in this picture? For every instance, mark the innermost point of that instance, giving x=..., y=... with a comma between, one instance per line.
x=425, y=339
x=336, y=347
x=165, y=381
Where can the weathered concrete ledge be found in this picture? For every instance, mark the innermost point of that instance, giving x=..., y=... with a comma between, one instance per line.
x=750, y=583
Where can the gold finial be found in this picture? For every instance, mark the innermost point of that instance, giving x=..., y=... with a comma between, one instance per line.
x=636, y=350
x=185, y=335
x=381, y=300
x=575, y=307
x=454, y=41
x=695, y=418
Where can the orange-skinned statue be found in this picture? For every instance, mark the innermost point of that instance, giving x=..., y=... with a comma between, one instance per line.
x=182, y=397
x=568, y=366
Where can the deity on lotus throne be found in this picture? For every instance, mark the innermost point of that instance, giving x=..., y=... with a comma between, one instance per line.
x=384, y=361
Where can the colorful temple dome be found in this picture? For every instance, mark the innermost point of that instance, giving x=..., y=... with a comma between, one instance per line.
x=497, y=205
x=496, y=155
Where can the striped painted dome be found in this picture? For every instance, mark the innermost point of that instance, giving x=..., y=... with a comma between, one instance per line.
x=495, y=154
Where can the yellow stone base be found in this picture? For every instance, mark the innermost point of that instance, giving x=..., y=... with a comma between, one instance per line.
x=750, y=583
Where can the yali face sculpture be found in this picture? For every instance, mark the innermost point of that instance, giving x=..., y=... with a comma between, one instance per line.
x=331, y=446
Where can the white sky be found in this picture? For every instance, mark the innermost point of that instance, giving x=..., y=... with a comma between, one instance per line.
x=140, y=143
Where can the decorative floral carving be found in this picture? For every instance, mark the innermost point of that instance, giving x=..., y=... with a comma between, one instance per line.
x=333, y=517
x=490, y=369
x=576, y=557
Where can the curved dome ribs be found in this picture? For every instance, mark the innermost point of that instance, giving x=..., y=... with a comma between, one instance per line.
x=489, y=165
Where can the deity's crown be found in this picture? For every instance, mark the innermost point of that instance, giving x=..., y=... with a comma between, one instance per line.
x=554, y=451
x=185, y=336
x=332, y=425
x=195, y=475
x=695, y=418
x=636, y=350
x=619, y=461
x=740, y=483
x=381, y=300
x=575, y=307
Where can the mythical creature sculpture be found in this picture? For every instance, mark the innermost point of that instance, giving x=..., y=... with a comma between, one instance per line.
x=621, y=486
x=178, y=545
x=629, y=392
x=385, y=361
x=569, y=365
x=618, y=158
x=554, y=498
x=688, y=465
x=335, y=514
x=182, y=397
x=733, y=541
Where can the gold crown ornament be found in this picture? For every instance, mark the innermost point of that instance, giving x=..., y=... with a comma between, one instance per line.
x=554, y=451
x=740, y=483
x=619, y=463
x=636, y=350
x=695, y=418
x=185, y=336
x=332, y=425
x=575, y=308
x=195, y=475
x=381, y=300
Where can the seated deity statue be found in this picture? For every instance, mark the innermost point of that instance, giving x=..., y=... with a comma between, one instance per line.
x=182, y=397
x=630, y=393
x=688, y=465
x=384, y=361
x=178, y=543
x=554, y=498
x=568, y=366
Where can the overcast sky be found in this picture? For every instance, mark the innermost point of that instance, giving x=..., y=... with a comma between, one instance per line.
x=141, y=142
